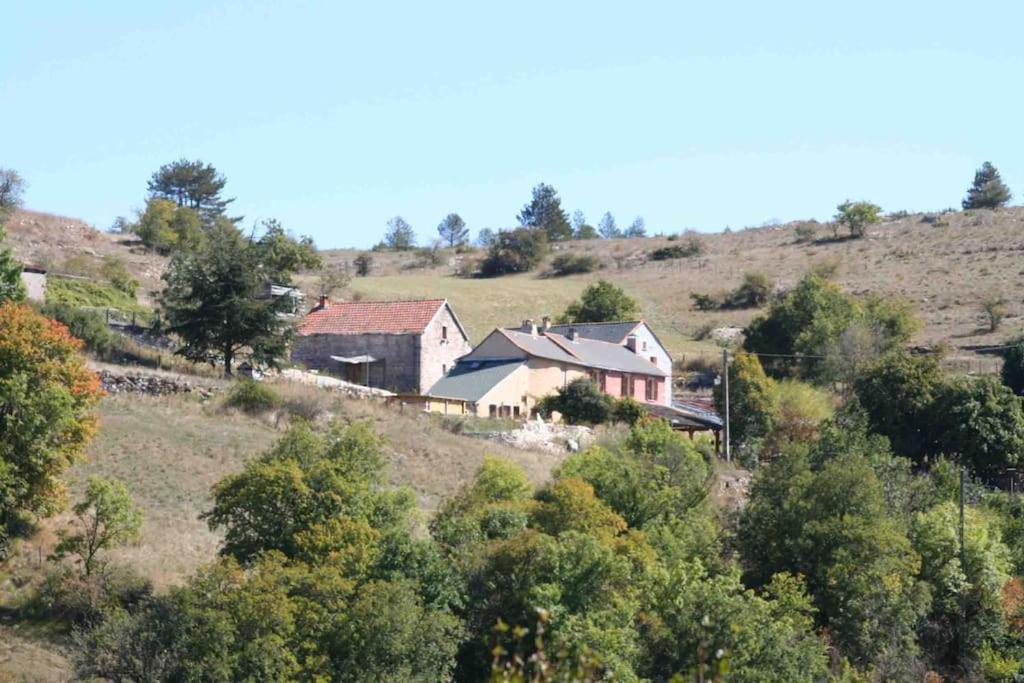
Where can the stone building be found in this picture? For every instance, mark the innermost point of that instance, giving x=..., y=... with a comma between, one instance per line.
x=401, y=346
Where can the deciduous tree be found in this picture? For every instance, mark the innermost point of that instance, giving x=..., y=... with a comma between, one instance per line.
x=857, y=216
x=514, y=251
x=46, y=400
x=637, y=228
x=105, y=518
x=607, y=227
x=399, y=235
x=601, y=302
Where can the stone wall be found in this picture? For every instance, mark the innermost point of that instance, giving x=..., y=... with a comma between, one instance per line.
x=441, y=345
x=400, y=354
x=152, y=385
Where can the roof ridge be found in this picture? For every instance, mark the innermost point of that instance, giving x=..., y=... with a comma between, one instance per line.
x=603, y=322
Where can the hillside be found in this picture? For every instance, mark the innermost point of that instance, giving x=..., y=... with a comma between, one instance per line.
x=943, y=263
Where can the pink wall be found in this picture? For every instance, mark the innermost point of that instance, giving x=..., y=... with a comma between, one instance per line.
x=613, y=387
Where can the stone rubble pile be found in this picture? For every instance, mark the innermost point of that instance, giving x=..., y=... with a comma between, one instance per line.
x=535, y=435
x=152, y=385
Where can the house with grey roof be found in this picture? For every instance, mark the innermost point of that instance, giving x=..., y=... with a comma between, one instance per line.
x=513, y=368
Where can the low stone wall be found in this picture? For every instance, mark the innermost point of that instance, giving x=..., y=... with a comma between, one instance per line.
x=152, y=385
x=334, y=384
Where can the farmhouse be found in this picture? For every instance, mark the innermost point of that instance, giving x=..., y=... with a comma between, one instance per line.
x=512, y=369
x=402, y=346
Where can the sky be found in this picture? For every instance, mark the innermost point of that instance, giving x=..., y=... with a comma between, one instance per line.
x=333, y=116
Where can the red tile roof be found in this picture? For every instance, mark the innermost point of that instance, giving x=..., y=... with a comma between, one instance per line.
x=368, y=317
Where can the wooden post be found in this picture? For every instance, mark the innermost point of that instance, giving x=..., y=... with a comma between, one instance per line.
x=725, y=387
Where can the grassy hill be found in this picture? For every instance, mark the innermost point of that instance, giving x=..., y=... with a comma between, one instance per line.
x=945, y=264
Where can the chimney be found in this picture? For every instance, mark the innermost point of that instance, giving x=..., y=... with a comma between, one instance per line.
x=546, y=323
x=325, y=302
x=573, y=334
x=528, y=326
x=631, y=343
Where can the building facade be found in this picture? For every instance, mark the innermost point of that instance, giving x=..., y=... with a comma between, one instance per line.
x=511, y=370
x=401, y=346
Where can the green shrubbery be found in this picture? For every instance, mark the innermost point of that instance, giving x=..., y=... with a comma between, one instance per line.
x=252, y=397
x=572, y=264
x=691, y=245
x=80, y=293
x=88, y=325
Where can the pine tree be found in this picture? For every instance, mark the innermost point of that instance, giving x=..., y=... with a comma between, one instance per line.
x=214, y=300
x=988, y=191
x=191, y=184
x=637, y=228
x=607, y=227
x=545, y=212
x=453, y=230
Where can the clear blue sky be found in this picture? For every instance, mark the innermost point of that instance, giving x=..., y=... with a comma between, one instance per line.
x=334, y=116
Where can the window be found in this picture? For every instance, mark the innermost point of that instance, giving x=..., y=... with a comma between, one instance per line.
x=493, y=410
x=506, y=411
x=444, y=332
x=444, y=369
x=654, y=361
x=626, y=387
x=651, y=390
x=643, y=346
x=515, y=412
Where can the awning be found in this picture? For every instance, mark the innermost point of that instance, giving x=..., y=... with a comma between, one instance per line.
x=354, y=360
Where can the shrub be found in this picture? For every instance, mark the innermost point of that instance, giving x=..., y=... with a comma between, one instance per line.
x=993, y=307
x=570, y=264
x=580, y=402
x=1013, y=366
x=115, y=272
x=806, y=232
x=692, y=245
x=753, y=292
x=514, y=251
x=629, y=411
x=86, y=600
x=856, y=217
x=706, y=302
x=89, y=326
x=306, y=407
x=85, y=293
x=252, y=397
x=363, y=263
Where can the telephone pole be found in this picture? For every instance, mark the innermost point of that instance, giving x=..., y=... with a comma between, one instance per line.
x=725, y=393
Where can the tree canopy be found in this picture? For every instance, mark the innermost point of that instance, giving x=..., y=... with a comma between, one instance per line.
x=857, y=216
x=453, y=230
x=46, y=400
x=400, y=235
x=191, y=184
x=544, y=212
x=601, y=302
x=607, y=227
x=988, y=191
x=217, y=298
x=514, y=251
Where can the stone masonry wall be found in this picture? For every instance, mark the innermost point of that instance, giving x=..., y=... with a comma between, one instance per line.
x=437, y=354
x=400, y=353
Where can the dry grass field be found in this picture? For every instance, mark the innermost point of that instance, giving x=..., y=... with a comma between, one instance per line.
x=944, y=264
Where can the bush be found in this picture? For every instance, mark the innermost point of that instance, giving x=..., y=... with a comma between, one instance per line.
x=570, y=264
x=706, y=302
x=363, y=263
x=629, y=411
x=753, y=292
x=806, y=232
x=252, y=397
x=1013, y=366
x=692, y=245
x=514, y=251
x=89, y=326
x=115, y=272
x=601, y=302
x=85, y=600
x=580, y=402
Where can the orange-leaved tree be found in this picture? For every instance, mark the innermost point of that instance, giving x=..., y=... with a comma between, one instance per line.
x=47, y=397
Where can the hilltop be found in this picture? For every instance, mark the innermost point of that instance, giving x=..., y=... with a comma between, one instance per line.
x=944, y=264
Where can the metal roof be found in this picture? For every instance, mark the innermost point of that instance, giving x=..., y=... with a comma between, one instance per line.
x=611, y=332
x=587, y=352
x=471, y=380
